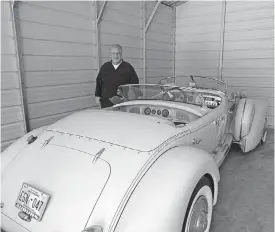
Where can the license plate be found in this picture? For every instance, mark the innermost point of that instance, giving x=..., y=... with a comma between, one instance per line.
x=32, y=201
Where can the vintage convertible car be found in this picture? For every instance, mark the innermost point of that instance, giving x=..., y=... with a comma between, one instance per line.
x=149, y=163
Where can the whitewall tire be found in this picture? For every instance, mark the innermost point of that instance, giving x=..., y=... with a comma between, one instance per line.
x=199, y=211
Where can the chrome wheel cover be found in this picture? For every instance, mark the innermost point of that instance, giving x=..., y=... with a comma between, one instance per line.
x=198, y=216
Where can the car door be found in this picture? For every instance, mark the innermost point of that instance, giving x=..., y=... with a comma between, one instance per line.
x=204, y=133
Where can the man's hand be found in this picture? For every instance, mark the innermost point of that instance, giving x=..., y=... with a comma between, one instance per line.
x=97, y=100
x=118, y=92
x=116, y=100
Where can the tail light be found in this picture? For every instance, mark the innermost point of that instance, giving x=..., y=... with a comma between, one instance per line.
x=95, y=228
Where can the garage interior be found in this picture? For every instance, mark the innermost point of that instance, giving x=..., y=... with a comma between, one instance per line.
x=51, y=53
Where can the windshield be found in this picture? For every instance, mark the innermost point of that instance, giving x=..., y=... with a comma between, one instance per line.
x=199, y=82
x=161, y=92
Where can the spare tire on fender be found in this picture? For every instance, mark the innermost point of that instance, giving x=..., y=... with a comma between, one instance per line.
x=243, y=118
x=250, y=123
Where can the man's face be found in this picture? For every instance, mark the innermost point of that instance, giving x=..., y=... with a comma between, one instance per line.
x=115, y=55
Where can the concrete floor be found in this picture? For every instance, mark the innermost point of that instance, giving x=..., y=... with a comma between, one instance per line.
x=246, y=191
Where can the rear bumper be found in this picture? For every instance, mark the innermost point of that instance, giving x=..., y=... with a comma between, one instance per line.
x=8, y=225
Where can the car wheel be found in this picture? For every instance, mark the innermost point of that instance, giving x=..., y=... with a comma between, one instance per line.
x=199, y=211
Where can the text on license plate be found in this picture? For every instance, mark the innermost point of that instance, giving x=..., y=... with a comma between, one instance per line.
x=32, y=201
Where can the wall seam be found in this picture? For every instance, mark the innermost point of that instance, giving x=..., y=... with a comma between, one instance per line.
x=174, y=41
x=144, y=40
x=222, y=40
x=20, y=66
x=96, y=34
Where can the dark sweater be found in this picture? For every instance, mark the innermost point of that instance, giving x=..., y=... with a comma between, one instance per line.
x=109, y=79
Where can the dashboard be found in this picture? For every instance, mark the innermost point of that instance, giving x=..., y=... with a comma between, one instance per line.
x=191, y=97
x=178, y=116
x=212, y=101
x=195, y=105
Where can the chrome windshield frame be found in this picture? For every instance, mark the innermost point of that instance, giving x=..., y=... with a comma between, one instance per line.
x=191, y=77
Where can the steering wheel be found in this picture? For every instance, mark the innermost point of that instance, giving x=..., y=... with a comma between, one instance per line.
x=180, y=97
x=161, y=96
x=158, y=96
x=177, y=96
x=168, y=96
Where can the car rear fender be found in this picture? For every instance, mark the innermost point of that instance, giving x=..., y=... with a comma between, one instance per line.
x=243, y=119
x=250, y=123
x=13, y=150
x=251, y=140
x=160, y=199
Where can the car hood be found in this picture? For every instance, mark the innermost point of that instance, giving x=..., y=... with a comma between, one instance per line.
x=86, y=187
x=139, y=132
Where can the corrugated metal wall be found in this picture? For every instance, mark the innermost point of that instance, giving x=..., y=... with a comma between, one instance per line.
x=122, y=23
x=159, y=43
x=198, y=28
x=248, y=45
x=60, y=59
x=248, y=58
x=57, y=41
x=58, y=50
x=12, y=112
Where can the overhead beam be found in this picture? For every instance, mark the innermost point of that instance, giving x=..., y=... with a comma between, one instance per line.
x=174, y=41
x=95, y=20
x=222, y=39
x=20, y=67
x=152, y=15
x=144, y=42
x=101, y=11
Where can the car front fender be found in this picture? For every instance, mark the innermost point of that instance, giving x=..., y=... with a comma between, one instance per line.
x=160, y=200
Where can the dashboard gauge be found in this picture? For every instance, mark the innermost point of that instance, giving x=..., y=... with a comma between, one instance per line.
x=147, y=111
x=159, y=112
x=153, y=111
x=190, y=98
x=165, y=113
